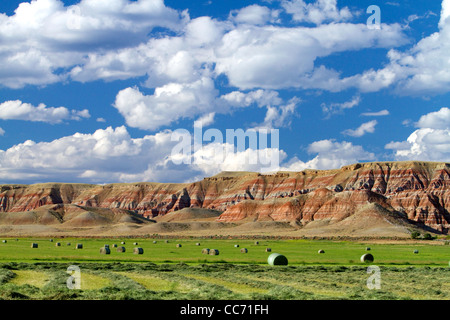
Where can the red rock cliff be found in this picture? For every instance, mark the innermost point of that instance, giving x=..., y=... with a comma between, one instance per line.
x=420, y=191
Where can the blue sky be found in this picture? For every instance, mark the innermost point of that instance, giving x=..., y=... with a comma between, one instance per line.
x=92, y=91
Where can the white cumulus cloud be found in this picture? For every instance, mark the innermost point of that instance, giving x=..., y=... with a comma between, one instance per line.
x=430, y=142
x=44, y=35
x=367, y=127
x=330, y=154
x=316, y=12
x=423, y=69
x=18, y=110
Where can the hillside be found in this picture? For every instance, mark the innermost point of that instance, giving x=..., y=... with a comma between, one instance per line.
x=383, y=196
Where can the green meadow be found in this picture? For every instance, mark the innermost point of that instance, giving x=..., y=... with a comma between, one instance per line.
x=298, y=252
x=165, y=271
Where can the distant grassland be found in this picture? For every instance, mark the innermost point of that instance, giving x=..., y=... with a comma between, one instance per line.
x=298, y=252
x=167, y=272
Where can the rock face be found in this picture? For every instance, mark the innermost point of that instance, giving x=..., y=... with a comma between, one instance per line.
x=417, y=191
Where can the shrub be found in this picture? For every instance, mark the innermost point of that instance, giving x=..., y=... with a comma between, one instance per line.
x=415, y=235
x=428, y=236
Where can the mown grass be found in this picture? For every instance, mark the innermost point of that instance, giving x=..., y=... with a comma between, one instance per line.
x=148, y=281
x=167, y=272
x=154, y=283
x=30, y=277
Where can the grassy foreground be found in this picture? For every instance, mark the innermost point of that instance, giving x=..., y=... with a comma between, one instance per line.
x=168, y=272
x=147, y=281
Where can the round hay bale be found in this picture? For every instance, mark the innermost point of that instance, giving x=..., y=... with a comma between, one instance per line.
x=58, y=244
x=79, y=246
x=367, y=257
x=167, y=241
x=138, y=250
x=34, y=245
x=178, y=245
x=214, y=252
x=416, y=251
x=135, y=243
x=114, y=245
x=321, y=251
x=4, y=241
x=154, y=242
x=268, y=250
x=68, y=243
x=105, y=250
x=123, y=242
x=51, y=240
x=236, y=246
x=197, y=244
x=121, y=249
x=244, y=250
x=256, y=242
x=205, y=251
x=368, y=249
x=276, y=259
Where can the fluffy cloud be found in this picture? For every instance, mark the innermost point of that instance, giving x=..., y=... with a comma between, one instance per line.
x=435, y=120
x=245, y=48
x=316, y=12
x=277, y=117
x=367, y=127
x=239, y=99
x=423, y=69
x=44, y=35
x=330, y=154
x=168, y=103
x=214, y=158
x=18, y=110
x=88, y=23
x=274, y=57
x=205, y=120
x=111, y=155
x=183, y=58
x=254, y=14
x=176, y=101
x=430, y=142
x=107, y=155
x=424, y=144
x=335, y=108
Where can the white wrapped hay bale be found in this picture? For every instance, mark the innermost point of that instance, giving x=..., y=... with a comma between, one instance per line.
x=213, y=252
x=105, y=250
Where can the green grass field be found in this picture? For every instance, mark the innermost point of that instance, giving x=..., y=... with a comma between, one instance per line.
x=298, y=252
x=164, y=271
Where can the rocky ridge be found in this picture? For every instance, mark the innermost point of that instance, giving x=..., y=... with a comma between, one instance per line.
x=418, y=192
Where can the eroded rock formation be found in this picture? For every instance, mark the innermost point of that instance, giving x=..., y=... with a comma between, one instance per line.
x=418, y=191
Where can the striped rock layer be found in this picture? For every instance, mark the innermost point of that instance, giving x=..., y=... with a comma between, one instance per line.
x=419, y=191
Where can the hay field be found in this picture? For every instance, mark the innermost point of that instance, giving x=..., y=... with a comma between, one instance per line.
x=167, y=272
x=148, y=281
x=298, y=252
